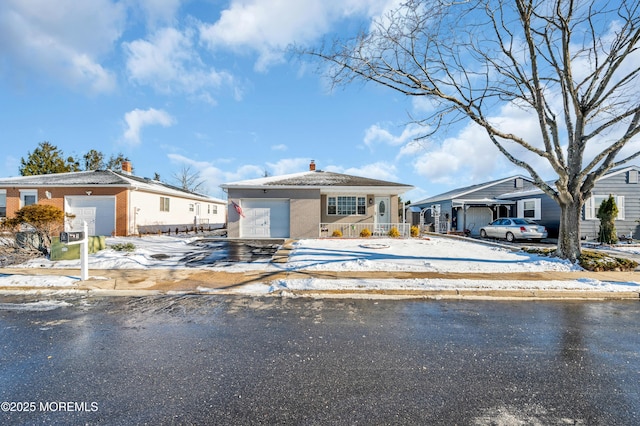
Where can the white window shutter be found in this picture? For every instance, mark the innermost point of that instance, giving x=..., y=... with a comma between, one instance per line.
x=588, y=209
x=620, y=205
x=538, y=209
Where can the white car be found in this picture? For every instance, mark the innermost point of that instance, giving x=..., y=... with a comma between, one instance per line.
x=514, y=228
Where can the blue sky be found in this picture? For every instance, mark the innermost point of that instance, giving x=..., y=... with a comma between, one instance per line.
x=205, y=84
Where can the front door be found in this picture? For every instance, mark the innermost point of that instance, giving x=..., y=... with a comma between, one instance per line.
x=383, y=214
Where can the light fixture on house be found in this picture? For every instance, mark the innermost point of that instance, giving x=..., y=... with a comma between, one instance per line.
x=47, y=194
x=88, y=192
x=370, y=201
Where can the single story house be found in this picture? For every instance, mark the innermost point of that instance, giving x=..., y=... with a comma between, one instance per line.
x=471, y=207
x=312, y=204
x=621, y=183
x=474, y=206
x=112, y=203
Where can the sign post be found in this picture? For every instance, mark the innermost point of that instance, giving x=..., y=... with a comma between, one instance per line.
x=81, y=238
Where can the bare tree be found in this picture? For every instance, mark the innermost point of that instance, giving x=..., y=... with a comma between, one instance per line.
x=189, y=180
x=573, y=65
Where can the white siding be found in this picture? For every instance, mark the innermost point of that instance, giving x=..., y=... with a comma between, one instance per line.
x=145, y=210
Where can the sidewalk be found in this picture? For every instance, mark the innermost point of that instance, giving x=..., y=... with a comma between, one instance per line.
x=202, y=281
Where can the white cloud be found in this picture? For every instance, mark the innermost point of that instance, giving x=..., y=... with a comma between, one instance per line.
x=169, y=62
x=376, y=134
x=137, y=119
x=288, y=165
x=269, y=26
x=462, y=160
x=379, y=170
x=279, y=147
x=62, y=40
x=159, y=11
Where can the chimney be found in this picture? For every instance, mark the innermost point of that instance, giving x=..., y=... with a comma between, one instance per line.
x=312, y=166
x=126, y=167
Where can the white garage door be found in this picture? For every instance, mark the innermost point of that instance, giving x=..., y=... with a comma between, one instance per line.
x=477, y=217
x=265, y=219
x=99, y=213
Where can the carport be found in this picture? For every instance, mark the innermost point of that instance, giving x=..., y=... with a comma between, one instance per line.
x=473, y=214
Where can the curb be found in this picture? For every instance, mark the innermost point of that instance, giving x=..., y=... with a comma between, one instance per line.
x=448, y=294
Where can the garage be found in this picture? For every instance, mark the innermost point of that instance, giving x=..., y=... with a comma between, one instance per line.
x=265, y=219
x=98, y=211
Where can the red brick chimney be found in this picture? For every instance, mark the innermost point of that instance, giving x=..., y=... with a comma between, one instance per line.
x=126, y=167
x=312, y=166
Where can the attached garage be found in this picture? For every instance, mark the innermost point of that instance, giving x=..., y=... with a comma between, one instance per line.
x=265, y=219
x=98, y=211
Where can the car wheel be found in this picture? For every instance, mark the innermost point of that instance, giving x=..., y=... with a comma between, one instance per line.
x=483, y=233
x=510, y=237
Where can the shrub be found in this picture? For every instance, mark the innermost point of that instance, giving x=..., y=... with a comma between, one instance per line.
x=415, y=231
x=123, y=247
x=337, y=233
x=45, y=220
x=393, y=232
x=365, y=233
x=598, y=262
x=607, y=213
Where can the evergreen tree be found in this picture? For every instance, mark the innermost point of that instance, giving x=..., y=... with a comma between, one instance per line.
x=115, y=162
x=46, y=159
x=607, y=213
x=93, y=160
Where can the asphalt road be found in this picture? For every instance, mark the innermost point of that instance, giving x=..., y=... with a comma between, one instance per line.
x=241, y=360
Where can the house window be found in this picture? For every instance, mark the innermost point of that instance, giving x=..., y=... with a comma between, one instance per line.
x=3, y=204
x=530, y=208
x=215, y=209
x=164, y=204
x=362, y=205
x=28, y=197
x=346, y=205
x=191, y=207
x=592, y=205
x=633, y=176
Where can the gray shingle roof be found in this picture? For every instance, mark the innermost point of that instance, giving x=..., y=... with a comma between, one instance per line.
x=97, y=178
x=317, y=179
x=460, y=192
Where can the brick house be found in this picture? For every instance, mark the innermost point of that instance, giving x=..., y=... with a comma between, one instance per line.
x=112, y=203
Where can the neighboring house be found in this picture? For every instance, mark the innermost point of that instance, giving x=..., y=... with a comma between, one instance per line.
x=621, y=183
x=471, y=207
x=474, y=206
x=312, y=204
x=112, y=203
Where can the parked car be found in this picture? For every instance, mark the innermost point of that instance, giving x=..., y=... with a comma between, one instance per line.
x=514, y=228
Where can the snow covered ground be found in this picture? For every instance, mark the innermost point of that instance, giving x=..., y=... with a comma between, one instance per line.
x=433, y=254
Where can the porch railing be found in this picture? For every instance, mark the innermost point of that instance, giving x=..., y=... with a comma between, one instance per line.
x=353, y=230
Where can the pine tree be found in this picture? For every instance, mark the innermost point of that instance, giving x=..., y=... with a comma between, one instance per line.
x=115, y=162
x=607, y=213
x=93, y=160
x=46, y=159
